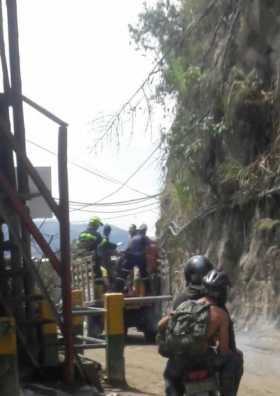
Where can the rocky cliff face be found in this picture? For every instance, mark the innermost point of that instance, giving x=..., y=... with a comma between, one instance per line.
x=222, y=186
x=246, y=243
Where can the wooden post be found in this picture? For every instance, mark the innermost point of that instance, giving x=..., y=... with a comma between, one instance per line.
x=19, y=133
x=65, y=253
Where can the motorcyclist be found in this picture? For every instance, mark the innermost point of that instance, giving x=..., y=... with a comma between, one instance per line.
x=227, y=361
x=195, y=269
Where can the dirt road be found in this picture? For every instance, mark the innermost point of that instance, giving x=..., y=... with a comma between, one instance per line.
x=144, y=366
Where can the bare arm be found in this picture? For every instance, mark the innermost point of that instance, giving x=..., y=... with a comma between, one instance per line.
x=223, y=335
x=163, y=323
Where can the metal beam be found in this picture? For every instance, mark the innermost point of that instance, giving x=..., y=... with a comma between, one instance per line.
x=32, y=172
x=20, y=209
x=43, y=111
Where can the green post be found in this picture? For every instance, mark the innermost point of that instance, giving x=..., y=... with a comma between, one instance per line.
x=9, y=379
x=49, y=355
x=114, y=326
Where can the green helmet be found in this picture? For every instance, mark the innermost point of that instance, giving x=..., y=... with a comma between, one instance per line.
x=95, y=221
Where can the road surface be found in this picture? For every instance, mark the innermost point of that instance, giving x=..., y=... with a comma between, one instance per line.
x=144, y=366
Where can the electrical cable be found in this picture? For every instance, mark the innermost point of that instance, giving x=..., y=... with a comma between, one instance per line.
x=131, y=176
x=85, y=169
x=127, y=215
x=118, y=203
x=119, y=211
x=121, y=216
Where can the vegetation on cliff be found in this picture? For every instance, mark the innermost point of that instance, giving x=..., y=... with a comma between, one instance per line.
x=219, y=62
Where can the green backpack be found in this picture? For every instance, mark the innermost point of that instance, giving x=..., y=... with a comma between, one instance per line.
x=186, y=331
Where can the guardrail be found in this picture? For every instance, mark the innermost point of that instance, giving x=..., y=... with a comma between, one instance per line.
x=90, y=311
x=113, y=311
x=147, y=299
x=114, y=333
x=113, y=343
x=127, y=300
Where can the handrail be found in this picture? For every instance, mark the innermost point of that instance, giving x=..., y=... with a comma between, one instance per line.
x=44, y=111
x=88, y=312
x=147, y=299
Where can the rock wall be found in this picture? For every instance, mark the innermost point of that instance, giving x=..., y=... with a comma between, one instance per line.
x=245, y=242
x=236, y=169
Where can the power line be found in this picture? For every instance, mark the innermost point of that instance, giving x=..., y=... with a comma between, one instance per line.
x=85, y=169
x=91, y=171
x=124, y=184
x=128, y=215
x=118, y=203
x=120, y=211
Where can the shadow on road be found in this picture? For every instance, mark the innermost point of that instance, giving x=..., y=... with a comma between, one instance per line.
x=135, y=391
x=136, y=339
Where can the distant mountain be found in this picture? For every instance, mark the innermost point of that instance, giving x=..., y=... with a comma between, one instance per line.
x=50, y=230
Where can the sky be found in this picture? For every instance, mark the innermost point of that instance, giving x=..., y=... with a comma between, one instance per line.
x=77, y=61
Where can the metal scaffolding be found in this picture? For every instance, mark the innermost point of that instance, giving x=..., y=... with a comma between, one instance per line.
x=17, y=294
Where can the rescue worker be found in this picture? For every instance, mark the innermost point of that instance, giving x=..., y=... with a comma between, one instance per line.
x=136, y=251
x=105, y=250
x=90, y=239
x=132, y=230
x=197, y=286
x=134, y=255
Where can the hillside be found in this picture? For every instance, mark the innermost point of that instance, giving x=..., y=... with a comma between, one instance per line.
x=221, y=193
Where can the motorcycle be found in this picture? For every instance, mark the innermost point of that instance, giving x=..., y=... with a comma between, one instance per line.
x=201, y=383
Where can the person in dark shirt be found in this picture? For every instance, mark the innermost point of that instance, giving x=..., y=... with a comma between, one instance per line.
x=136, y=251
x=132, y=231
x=135, y=255
x=194, y=271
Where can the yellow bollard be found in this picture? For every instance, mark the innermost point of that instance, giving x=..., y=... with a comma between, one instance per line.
x=78, y=320
x=114, y=327
x=77, y=302
x=9, y=379
x=49, y=355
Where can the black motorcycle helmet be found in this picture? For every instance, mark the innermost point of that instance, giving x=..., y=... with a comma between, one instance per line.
x=196, y=268
x=216, y=284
